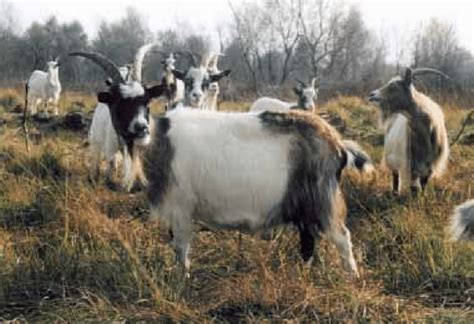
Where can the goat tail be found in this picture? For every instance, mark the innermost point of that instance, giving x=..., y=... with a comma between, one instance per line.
x=357, y=158
x=462, y=222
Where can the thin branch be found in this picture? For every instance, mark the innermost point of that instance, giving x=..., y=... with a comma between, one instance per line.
x=463, y=126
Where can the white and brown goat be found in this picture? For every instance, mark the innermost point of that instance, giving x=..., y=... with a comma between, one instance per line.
x=241, y=171
x=416, y=144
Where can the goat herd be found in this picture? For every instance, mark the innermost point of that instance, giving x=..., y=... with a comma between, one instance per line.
x=279, y=163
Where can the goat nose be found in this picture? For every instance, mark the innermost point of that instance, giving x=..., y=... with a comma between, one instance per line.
x=141, y=128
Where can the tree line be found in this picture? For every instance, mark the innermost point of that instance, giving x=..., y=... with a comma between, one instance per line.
x=268, y=44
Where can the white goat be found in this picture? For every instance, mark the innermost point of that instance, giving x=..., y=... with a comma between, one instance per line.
x=243, y=171
x=44, y=87
x=416, y=142
x=103, y=139
x=462, y=222
x=213, y=92
x=197, y=80
x=307, y=95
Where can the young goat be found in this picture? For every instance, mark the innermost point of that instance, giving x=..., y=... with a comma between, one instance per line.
x=240, y=171
x=44, y=87
x=197, y=80
x=103, y=138
x=307, y=95
x=462, y=222
x=416, y=142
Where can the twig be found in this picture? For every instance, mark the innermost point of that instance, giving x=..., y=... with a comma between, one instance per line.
x=463, y=126
x=23, y=122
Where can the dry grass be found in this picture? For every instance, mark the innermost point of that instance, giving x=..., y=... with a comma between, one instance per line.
x=71, y=252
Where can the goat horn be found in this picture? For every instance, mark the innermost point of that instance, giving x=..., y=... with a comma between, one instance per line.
x=303, y=84
x=428, y=70
x=104, y=62
x=138, y=62
x=205, y=60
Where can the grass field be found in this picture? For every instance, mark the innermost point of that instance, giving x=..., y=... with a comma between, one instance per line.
x=72, y=252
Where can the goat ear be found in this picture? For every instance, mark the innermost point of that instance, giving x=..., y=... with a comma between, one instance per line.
x=297, y=90
x=218, y=76
x=408, y=78
x=155, y=92
x=104, y=97
x=178, y=74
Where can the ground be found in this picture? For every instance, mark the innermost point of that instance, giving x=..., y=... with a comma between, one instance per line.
x=70, y=251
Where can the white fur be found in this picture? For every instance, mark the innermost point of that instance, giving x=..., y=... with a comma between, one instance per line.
x=232, y=180
x=462, y=218
x=132, y=89
x=44, y=87
x=271, y=104
x=395, y=155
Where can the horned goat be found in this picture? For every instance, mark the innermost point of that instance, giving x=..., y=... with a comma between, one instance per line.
x=307, y=95
x=213, y=91
x=44, y=87
x=462, y=222
x=197, y=80
x=174, y=91
x=103, y=139
x=243, y=171
x=416, y=143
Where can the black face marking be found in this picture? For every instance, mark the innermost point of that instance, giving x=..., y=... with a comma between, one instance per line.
x=157, y=162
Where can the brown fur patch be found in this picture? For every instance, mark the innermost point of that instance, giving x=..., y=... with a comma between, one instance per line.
x=322, y=128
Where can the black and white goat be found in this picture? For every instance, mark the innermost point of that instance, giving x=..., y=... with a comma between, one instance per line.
x=44, y=87
x=242, y=171
x=416, y=144
x=307, y=96
x=174, y=87
x=103, y=139
x=197, y=80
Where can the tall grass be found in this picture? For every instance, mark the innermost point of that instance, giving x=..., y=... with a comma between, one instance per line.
x=73, y=252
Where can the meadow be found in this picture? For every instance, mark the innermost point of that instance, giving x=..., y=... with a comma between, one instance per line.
x=70, y=251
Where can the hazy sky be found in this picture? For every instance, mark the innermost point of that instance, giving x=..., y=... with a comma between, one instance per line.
x=393, y=17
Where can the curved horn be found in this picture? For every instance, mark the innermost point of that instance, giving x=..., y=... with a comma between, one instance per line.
x=104, y=62
x=427, y=71
x=138, y=62
x=214, y=59
x=303, y=84
x=205, y=60
x=314, y=82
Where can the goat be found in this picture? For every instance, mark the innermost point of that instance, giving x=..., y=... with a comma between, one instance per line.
x=103, y=138
x=197, y=80
x=243, y=171
x=307, y=95
x=213, y=92
x=174, y=91
x=462, y=222
x=44, y=87
x=416, y=143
